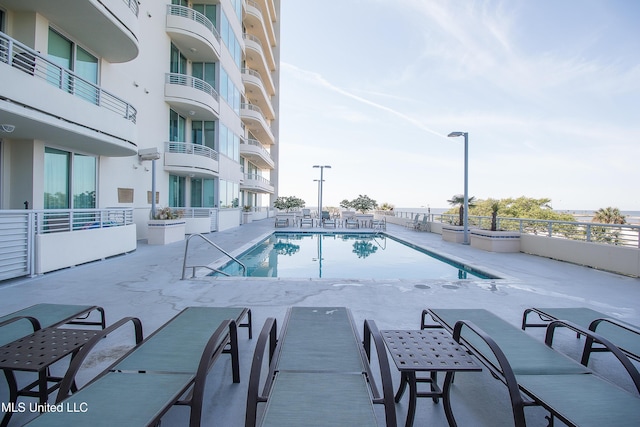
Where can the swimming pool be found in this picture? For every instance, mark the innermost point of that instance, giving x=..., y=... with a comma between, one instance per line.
x=345, y=256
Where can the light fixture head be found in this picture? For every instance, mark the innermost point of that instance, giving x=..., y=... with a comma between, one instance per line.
x=455, y=134
x=323, y=166
x=7, y=128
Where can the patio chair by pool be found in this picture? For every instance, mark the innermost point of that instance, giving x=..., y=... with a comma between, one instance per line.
x=282, y=222
x=327, y=221
x=624, y=335
x=414, y=222
x=537, y=375
x=318, y=373
x=168, y=368
x=424, y=224
x=379, y=224
x=351, y=222
x=306, y=221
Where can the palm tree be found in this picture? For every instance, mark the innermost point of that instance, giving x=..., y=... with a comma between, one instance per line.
x=609, y=216
x=458, y=200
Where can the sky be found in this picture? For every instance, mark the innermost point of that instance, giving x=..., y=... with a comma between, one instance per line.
x=548, y=91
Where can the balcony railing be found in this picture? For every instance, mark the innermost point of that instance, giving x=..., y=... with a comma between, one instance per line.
x=255, y=177
x=614, y=234
x=193, y=82
x=259, y=146
x=186, y=12
x=16, y=54
x=188, y=148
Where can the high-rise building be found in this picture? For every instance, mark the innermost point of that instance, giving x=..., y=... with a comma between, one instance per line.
x=106, y=103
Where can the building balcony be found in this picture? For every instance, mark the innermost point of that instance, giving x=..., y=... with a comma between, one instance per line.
x=256, y=59
x=193, y=33
x=256, y=92
x=255, y=121
x=257, y=23
x=183, y=158
x=256, y=184
x=191, y=97
x=253, y=151
x=47, y=102
x=108, y=28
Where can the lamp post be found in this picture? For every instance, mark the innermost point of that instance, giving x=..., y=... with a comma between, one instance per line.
x=319, y=202
x=465, y=217
x=320, y=191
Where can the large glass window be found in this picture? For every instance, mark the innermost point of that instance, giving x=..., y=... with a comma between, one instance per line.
x=202, y=193
x=56, y=179
x=208, y=10
x=66, y=54
x=68, y=173
x=229, y=92
x=230, y=40
x=204, y=71
x=229, y=143
x=84, y=182
x=177, y=126
x=177, y=191
x=229, y=194
x=178, y=61
x=203, y=133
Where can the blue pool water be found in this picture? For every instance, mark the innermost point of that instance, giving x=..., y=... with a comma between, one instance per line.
x=345, y=256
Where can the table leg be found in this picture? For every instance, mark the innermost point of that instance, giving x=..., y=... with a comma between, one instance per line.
x=13, y=395
x=401, y=387
x=43, y=392
x=446, y=402
x=413, y=396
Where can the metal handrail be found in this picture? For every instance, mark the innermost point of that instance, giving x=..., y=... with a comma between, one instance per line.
x=193, y=267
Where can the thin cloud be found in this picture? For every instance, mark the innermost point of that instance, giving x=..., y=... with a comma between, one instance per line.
x=319, y=79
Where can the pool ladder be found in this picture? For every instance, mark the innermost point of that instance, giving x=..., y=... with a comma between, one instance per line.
x=193, y=267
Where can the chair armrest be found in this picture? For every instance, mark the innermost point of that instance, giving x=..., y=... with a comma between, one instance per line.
x=268, y=335
x=34, y=322
x=509, y=378
x=387, y=399
x=590, y=338
x=76, y=362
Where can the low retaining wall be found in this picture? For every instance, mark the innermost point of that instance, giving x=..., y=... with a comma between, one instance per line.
x=54, y=251
x=617, y=259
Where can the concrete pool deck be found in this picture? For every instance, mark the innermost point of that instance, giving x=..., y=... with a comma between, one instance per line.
x=146, y=284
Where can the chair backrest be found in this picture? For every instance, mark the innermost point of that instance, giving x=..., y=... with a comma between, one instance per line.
x=325, y=215
x=306, y=213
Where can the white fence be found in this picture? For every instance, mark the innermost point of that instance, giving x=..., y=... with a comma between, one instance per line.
x=19, y=229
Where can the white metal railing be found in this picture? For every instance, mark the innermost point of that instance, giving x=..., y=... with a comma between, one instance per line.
x=256, y=177
x=194, y=15
x=193, y=82
x=188, y=148
x=613, y=234
x=20, y=56
x=61, y=220
x=133, y=5
x=18, y=229
x=254, y=39
x=259, y=146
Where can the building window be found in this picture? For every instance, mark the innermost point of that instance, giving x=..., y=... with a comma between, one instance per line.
x=204, y=71
x=229, y=143
x=229, y=194
x=177, y=126
x=177, y=191
x=208, y=10
x=69, y=174
x=66, y=54
x=178, y=61
x=203, y=193
x=203, y=133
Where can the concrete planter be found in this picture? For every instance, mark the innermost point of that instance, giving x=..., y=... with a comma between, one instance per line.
x=495, y=241
x=453, y=233
x=247, y=217
x=165, y=231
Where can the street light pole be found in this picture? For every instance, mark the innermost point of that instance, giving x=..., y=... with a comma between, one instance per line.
x=321, y=181
x=465, y=217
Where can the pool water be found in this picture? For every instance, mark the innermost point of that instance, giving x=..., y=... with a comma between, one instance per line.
x=345, y=256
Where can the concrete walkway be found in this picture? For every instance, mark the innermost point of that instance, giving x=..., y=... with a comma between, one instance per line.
x=147, y=284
